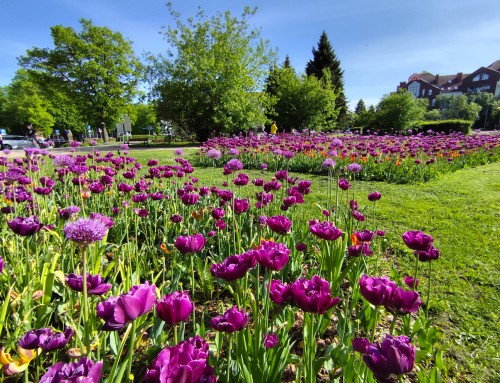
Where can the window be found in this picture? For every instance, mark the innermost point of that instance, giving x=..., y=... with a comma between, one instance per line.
x=430, y=92
x=485, y=76
x=414, y=88
x=423, y=93
x=477, y=78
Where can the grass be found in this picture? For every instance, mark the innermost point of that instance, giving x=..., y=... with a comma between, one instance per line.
x=462, y=212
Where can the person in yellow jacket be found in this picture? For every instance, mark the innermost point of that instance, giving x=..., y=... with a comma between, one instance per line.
x=274, y=128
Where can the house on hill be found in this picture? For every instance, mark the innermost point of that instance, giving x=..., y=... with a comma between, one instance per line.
x=427, y=85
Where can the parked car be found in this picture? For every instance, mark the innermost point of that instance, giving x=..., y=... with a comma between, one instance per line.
x=11, y=142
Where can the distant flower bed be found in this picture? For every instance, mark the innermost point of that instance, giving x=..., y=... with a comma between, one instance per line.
x=397, y=159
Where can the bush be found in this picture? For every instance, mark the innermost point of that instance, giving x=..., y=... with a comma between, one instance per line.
x=445, y=126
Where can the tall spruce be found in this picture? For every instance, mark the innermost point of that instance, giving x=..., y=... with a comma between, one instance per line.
x=324, y=58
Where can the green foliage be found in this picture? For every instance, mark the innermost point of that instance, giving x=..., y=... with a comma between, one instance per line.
x=446, y=126
x=457, y=107
x=23, y=103
x=432, y=115
x=360, y=107
x=211, y=82
x=399, y=112
x=95, y=69
x=324, y=58
x=489, y=116
x=299, y=102
x=141, y=116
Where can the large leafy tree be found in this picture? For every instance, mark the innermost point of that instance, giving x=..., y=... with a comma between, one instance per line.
x=459, y=107
x=211, y=81
x=399, y=111
x=23, y=103
x=300, y=102
x=96, y=69
x=324, y=58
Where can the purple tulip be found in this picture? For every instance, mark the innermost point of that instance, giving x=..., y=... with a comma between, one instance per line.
x=2, y=265
x=68, y=212
x=272, y=255
x=143, y=213
x=185, y=362
x=25, y=226
x=313, y=295
x=411, y=282
x=121, y=310
x=84, y=231
x=344, y=184
x=403, y=302
x=232, y=320
x=241, y=205
x=190, y=244
x=279, y=292
x=417, y=240
x=301, y=247
x=377, y=291
x=218, y=213
x=176, y=218
x=46, y=339
x=394, y=356
x=374, y=196
x=325, y=230
x=234, y=267
x=95, y=284
x=279, y=224
x=175, y=308
x=361, y=345
x=270, y=340
x=358, y=216
x=364, y=236
x=84, y=371
x=428, y=255
x=190, y=199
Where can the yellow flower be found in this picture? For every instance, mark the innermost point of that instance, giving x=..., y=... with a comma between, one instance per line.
x=10, y=366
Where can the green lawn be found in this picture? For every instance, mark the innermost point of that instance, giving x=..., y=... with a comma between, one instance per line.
x=462, y=212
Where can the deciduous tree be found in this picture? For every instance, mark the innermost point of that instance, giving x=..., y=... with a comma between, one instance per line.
x=212, y=80
x=399, y=111
x=302, y=101
x=95, y=68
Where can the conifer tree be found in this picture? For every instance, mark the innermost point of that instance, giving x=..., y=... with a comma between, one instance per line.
x=324, y=57
x=360, y=107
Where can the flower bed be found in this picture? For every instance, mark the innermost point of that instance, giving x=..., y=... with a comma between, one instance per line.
x=397, y=159
x=113, y=270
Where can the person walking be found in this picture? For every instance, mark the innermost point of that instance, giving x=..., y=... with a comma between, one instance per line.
x=274, y=128
x=1, y=142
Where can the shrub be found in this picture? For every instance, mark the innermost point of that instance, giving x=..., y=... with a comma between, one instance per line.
x=445, y=126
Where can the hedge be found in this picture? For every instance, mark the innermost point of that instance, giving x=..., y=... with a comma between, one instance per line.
x=445, y=126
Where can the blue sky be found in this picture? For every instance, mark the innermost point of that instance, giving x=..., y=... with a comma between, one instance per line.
x=379, y=43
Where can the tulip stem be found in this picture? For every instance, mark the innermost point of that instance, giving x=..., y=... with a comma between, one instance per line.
x=130, y=354
x=416, y=273
x=86, y=337
x=393, y=324
x=374, y=324
x=428, y=292
x=230, y=349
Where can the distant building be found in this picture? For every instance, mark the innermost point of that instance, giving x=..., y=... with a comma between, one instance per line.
x=427, y=85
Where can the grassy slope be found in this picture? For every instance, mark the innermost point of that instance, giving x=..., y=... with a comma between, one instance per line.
x=462, y=212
